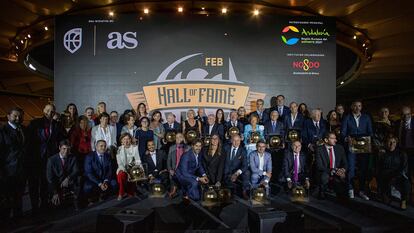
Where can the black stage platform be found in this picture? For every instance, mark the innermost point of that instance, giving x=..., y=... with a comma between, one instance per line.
x=174, y=216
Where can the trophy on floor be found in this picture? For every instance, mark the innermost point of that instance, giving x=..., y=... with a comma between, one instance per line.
x=275, y=141
x=293, y=135
x=360, y=145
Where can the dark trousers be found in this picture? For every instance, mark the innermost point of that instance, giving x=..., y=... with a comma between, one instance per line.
x=38, y=185
x=12, y=188
x=334, y=182
x=191, y=188
x=90, y=189
x=243, y=179
x=400, y=182
x=362, y=160
x=277, y=165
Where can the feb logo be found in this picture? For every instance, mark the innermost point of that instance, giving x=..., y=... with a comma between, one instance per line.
x=72, y=40
x=290, y=41
x=306, y=64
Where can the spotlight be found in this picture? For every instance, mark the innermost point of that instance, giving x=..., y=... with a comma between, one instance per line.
x=21, y=41
x=32, y=67
x=355, y=37
x=342, y=82
x=17, y=47
x=180, y=9
x=363, y=45
x=256, y=12
x=111, y=13
x=224, y=10
x=29, y=36
x=46, y=28
x=146, y=11
x=203, y=8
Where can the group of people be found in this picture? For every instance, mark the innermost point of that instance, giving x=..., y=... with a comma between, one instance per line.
x=91, y=155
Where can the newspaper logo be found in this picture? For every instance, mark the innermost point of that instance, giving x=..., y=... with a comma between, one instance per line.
x=73, y=40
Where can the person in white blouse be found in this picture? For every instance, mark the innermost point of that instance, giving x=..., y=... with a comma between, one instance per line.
x=129, y=126
x=103, y=131
x=127, y=154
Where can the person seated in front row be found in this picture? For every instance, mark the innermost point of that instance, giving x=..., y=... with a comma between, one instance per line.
x=331, y=165
x=295, y=170
x=392, y=167
x=235, y=166
x=126, y=156
x=99, y=178
x=260, y=166
x=173, y=160
x=63, y=175
x=156, y=165
x=190, y=172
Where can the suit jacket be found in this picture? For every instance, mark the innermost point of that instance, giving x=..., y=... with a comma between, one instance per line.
x=254, y=163
x=286, y=112
x=172, y=159
x=213, y=165
x=203, y=120
x=217, y=129
x=263, y=117
x=56, y=173
x=288, y=160
x=239, y=161
x=279, y=130
x=240, y=126
x=311, y=134
x=323, y=162
x=298, y=124
x=160, y=158
x=97, y=173
x=12, y=150
x=349, y=126
x=188, y=167
x=43, y=146
x=400, y=126
x=176, y=127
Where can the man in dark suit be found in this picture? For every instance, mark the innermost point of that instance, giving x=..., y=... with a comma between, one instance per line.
x=260, y=112
x=114, y=121
x=357, y=124
x=13, y=138
x=233, y=122
x=156, y=165
x=211, y=127
x=45, y=135
x=235, y=166
x=62, y=174
x=190, y=173
x=99, y=175
x=170, y=126
x=331, y=165
x=293, y=120
x=281, y=108
x=275, y=127
x=295, y=170
x=314, y=129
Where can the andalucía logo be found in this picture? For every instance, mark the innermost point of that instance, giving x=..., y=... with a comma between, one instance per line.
x=292, y=35
x=292, y=40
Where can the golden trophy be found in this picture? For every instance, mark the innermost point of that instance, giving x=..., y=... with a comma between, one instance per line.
x=275, y=141
x=254, y=137
x=360, y=145
x=293, y=135
x=190, y=136
x=207, y=140
x=170, y=136
x=232, y=131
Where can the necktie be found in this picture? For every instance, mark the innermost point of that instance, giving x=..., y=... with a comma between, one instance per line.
x=63, y=162
x=233, y=153
x=20, y=135
x=196, y=157
x=101, y=160
x=317, y=127
x=280, y=110
x=273, y=126
x=331, y=165
x=295, y=169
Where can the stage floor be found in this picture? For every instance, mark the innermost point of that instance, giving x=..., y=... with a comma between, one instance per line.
x=174, y=216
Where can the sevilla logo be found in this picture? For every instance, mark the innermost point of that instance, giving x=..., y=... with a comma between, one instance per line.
x=73, y=40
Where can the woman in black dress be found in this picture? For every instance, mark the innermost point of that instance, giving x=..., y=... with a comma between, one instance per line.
x=213, y=161
x=191, y=124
